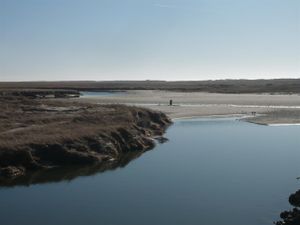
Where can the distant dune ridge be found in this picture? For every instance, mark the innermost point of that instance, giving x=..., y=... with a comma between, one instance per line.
x=216, y=86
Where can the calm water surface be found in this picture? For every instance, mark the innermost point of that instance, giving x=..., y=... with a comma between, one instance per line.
x=101, y=93
x=211, y=172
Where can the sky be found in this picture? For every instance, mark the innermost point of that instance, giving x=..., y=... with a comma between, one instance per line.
x=149, y=39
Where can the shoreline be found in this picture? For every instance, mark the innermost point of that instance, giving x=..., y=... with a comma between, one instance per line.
x=223, y=116
x=268, y=109
x=64, y=124
x=283, y=124
x=240, y=117
x=42, y=134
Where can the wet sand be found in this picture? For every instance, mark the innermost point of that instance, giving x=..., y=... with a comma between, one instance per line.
x=267, y=108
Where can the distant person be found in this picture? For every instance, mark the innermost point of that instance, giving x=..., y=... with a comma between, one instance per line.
x=171, y=102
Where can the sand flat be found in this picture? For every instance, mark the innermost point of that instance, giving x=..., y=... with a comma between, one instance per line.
x=163, y=97
x=193, y=104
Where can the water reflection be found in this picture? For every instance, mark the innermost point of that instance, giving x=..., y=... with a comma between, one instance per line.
x=210, y=173
x=69, y=173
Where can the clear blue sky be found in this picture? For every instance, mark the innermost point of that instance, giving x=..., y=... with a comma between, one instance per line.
x=149, y=39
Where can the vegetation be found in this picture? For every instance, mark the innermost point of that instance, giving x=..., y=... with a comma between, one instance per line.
x=44, y=133
x=218, y=86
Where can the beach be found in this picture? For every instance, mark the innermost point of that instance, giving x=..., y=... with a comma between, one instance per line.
x=257, y=108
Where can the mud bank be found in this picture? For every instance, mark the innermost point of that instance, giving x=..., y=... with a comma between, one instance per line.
x=42, y=134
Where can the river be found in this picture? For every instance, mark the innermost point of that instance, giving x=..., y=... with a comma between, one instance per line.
x=210, y=172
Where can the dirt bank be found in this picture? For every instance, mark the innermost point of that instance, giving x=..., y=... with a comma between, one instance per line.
x=42, y=134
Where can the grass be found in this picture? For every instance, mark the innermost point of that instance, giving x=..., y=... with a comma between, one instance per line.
x=286, y=86
x=25, y=121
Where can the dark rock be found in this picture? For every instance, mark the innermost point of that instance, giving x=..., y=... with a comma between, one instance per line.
x=11, y=172
x=291, y=217
x=161, y=139
x=294, y=199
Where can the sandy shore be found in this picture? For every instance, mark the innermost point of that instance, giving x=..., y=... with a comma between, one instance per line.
x=271, y=109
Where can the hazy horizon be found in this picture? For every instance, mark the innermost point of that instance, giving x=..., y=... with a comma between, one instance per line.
x=126, y=80
x=52, y=40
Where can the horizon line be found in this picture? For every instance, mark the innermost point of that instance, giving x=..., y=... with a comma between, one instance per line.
x=149, y=80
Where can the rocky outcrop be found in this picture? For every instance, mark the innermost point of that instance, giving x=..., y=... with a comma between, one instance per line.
x=291, y=217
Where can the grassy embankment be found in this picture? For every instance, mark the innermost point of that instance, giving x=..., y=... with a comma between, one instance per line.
x=38, y=134
x=285, y=86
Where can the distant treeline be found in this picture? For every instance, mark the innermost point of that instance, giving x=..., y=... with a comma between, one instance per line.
x=218, y=86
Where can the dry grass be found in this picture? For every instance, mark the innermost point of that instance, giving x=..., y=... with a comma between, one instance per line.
x=219, y=86
x=24, y=121
x=42, y=134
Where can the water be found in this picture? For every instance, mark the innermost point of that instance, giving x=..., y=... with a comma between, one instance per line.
x=211, y=172
x=101, y=93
